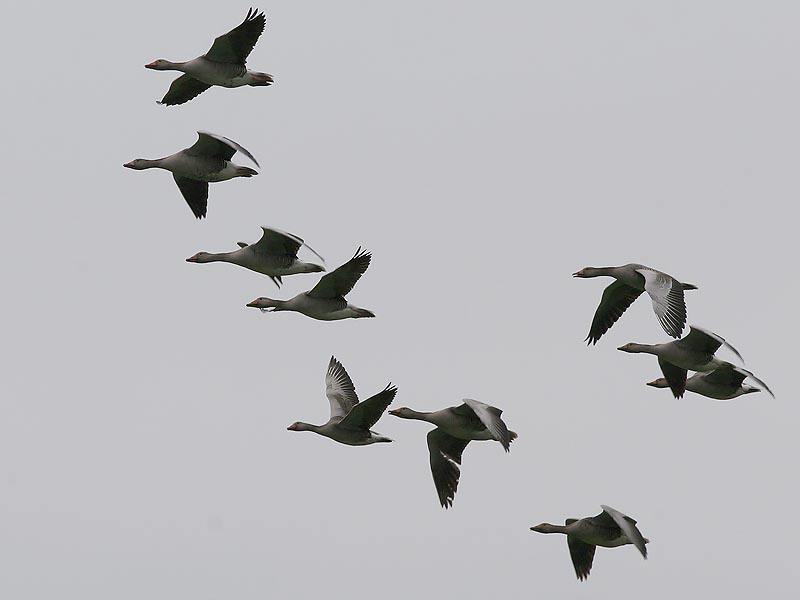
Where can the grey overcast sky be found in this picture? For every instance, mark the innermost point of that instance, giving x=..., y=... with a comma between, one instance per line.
x=483, y=152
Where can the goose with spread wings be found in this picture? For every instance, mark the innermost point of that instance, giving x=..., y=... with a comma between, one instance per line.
x=223, y=65
x=456, y=427
x=665, y=291
x=350, y=419
x=724, y=383
x=609, y=529
x=693, y=352
x=326, y=300
x=274, y=255
x=193, y=168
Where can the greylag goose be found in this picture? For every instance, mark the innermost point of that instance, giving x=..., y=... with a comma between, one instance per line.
x=208, y=160
x=609, y=529
x=456, y=427
x=350, y=420
x=222, y=65
x=275, y=255
x=693, y=352
x=665, y=291
x=326, y=300
x=724, y=383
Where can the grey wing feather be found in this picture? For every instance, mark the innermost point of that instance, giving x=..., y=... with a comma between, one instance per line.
x=339, y=389
x=236, y=45
x=628, y=527
x=490, y=417
x=195, y=193
x=616, y=299
x=445, y=458
x=666, y=293
x=675, y=376
x=760, y=382
x=218, y=146
x=183, y=89
x=582, y=555
x=365, y=414
x=727, y=375
x=339, y=282
x=705, y=341
x=275, y=241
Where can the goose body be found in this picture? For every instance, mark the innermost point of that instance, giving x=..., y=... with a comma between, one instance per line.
x=456, y=427
x=193, y=168
x=693, y=352
x=274, y=255
x=223, y=65
x=609, y=529
x=724, y=383
x=350, y=420
x=326, y=300
x=632, y=279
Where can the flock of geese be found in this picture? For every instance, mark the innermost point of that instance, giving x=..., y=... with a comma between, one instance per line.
x=350, y=422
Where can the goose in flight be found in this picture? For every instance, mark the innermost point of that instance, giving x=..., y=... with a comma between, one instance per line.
x=693, y=352
x=456, y=427
x=326, y=300
x=208, y=160
x=665, y=291
x=223, y=65
x=724, y=383
x=274, y=255
x=609, y=529
x=350, y=420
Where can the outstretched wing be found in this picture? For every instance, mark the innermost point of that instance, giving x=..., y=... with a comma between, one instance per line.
x=183, y=89
x=217, y=146
x=280, y=243
x=703, y=340
x=365, y=414
x=582, y=555
x=616, y=299
x=339, y=389
x=668, y=303
x=195, y=193
x=236, y=45
x=727, y=375
x=490, y=417
x=339, y=282
x=737, y=372
x=445, y=456
x=675, y=376
x=628, y=527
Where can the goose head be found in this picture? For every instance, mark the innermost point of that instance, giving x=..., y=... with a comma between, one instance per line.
x=159, y=65
x=586, y=272
x=139, y=164
x=200, y=257
x=548, y=528
x=634, y=348
x=403, y=413
x=661, y=382
x=299, y=426
x=262, y=303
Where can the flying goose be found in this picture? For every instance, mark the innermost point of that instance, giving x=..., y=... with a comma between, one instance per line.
x=350, y=420
x=456, y=427
x=724, y=383
x=222, y=65
x=665, y=291
x=326, y=300
x=275, y=255
x=693, y=352
x=609, y=529
x=208, y=160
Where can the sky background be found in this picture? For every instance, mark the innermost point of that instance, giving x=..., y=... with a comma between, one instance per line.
x=483, y=154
